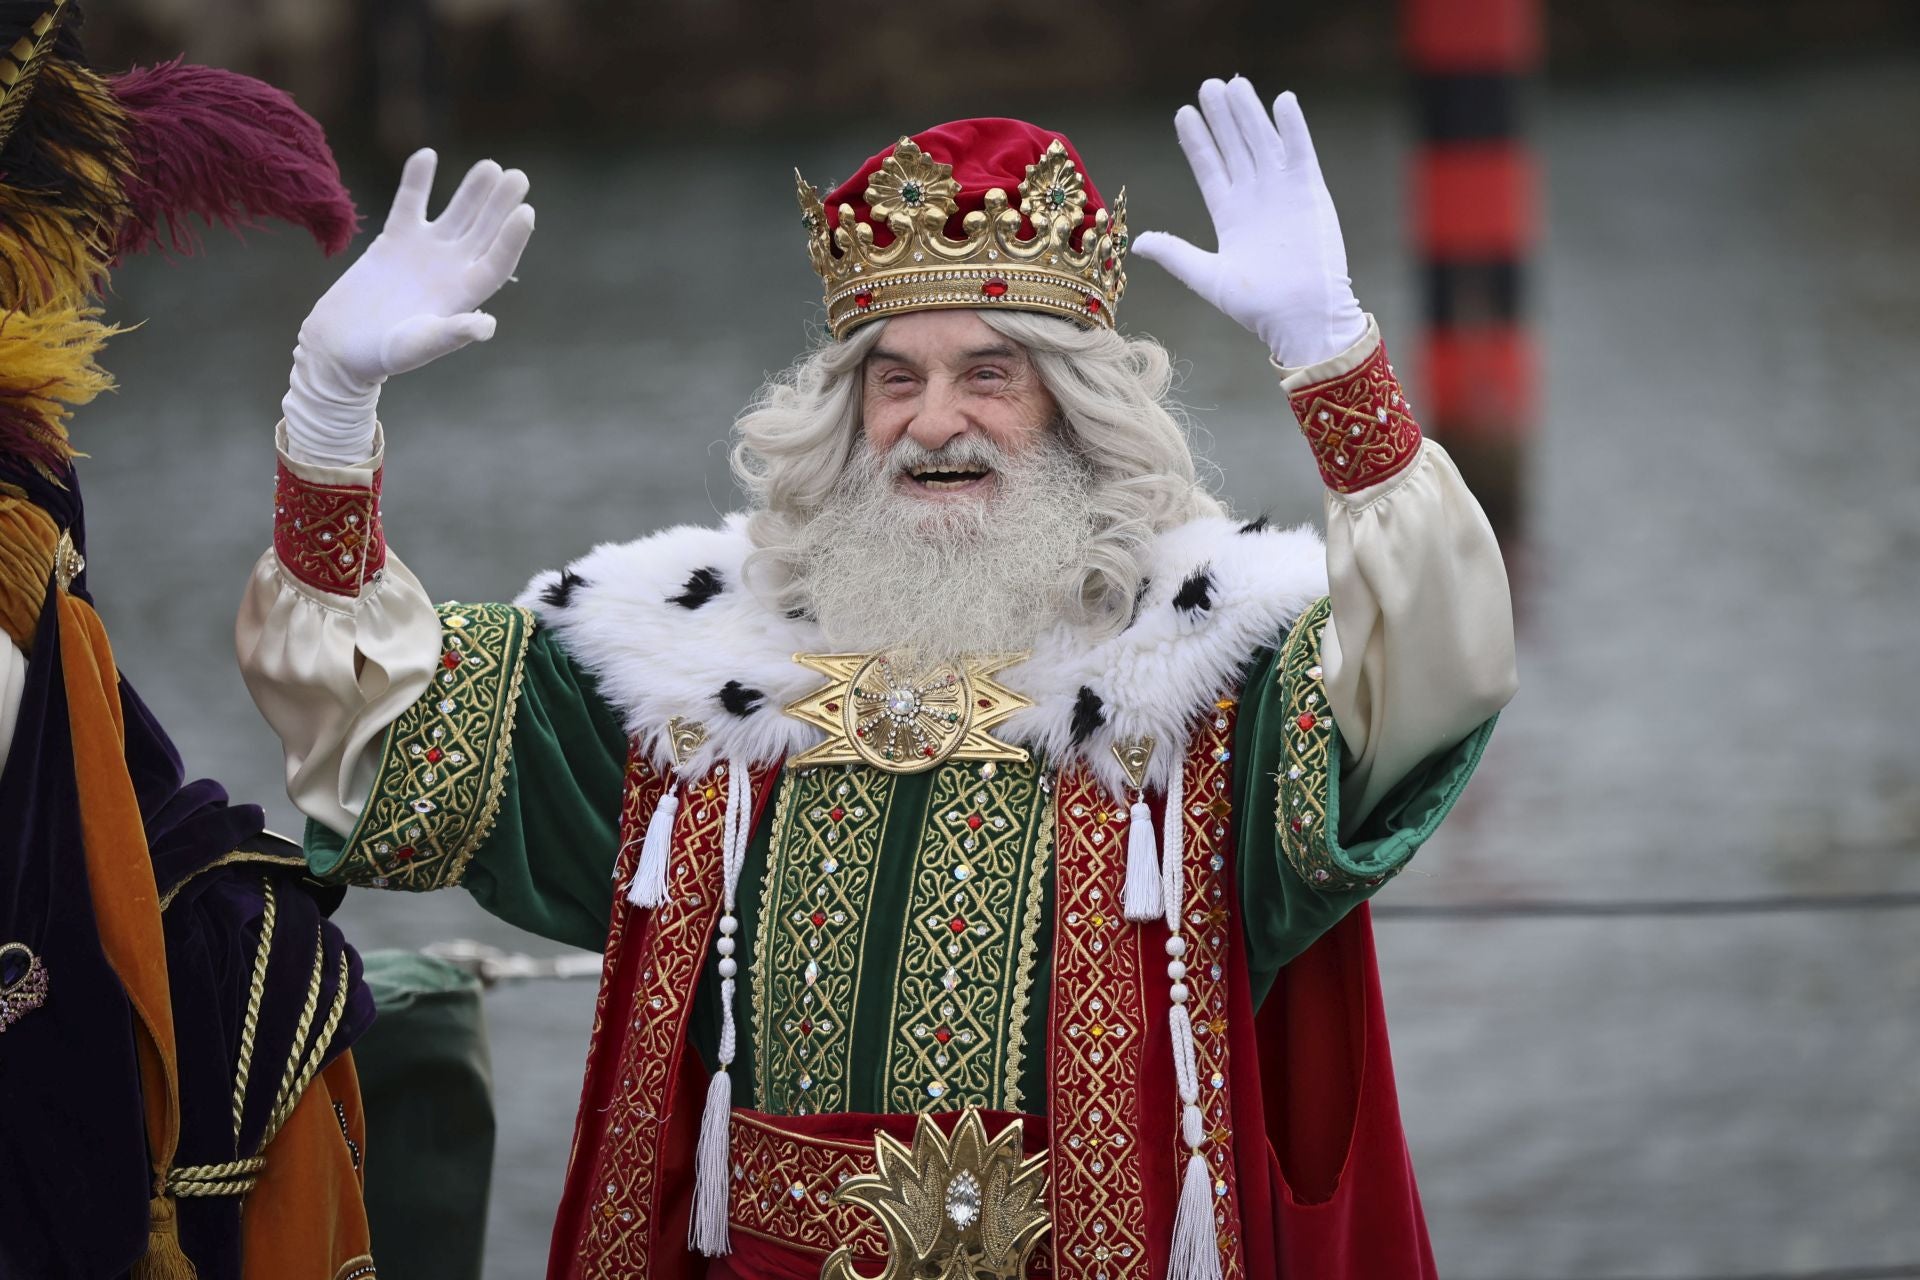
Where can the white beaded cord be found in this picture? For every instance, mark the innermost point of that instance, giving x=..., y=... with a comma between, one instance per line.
x=1196, y=1249
x=707, y=1230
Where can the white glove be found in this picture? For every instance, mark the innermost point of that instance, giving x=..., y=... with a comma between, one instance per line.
x=1281, y=270
x=409, y=299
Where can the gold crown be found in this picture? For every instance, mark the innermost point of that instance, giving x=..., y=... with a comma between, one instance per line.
x=923, y=269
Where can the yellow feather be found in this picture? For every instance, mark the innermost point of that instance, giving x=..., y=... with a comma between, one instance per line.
x=49, y=364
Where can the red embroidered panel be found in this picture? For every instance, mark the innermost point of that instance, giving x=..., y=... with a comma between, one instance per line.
x=783, y=1185
x=1360, y=426
x=327, y=536
x=618, y=1227
x=1211, y=930
x=1097, y=1033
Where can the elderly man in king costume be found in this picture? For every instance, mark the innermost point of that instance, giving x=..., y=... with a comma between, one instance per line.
x=978, y=827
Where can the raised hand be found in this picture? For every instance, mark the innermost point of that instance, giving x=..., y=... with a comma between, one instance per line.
x=1281, y=267
x=411, y=298
x=414, y=295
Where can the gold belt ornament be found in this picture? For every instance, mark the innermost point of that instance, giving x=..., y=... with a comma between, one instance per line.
x=904, y=715
x=960, y=1208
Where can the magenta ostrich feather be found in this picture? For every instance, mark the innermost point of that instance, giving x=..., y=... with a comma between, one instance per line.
x=229, y=149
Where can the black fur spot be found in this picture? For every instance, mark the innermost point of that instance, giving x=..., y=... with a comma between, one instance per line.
x=799, y=615
x=702, y=586
x=1089, y=713
x=1257, y=525
x=560, y=594
x=739, y=699
x=1196, y=593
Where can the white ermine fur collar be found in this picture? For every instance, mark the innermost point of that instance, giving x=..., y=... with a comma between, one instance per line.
x=669, y=629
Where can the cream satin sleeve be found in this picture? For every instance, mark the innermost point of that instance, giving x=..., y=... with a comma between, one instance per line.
x=1419, y=649
x=331, y=670
x=13, y=683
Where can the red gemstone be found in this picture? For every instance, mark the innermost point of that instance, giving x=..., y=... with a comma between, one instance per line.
x=836, y=813
x=943, y=1035
x=974, y=820
x=957, y=925
x=433, y=755
x=450, y=660
x=806, y=1026
x=995, y=288
x=1107, y=265
x=983, y=704
x=927, y=751
x=1295, y=824
x=1306, y=721
x=1093, y=305
x=863, y=299
x=819, y=918
x=833, y=706
x=405, y=853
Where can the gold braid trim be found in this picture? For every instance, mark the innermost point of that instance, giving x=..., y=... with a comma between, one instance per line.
x=1307, y=813
x=316, y=1054
x=234, y=1178
x=300, y=1029
x=443, y=766
x=256, y=991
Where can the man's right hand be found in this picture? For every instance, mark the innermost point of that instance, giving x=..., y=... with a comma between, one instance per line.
x=412, y=297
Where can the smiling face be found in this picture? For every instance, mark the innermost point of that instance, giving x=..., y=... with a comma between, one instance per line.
x=955, y=392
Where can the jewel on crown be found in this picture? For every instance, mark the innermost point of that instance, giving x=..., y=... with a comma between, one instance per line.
x=1063, y=267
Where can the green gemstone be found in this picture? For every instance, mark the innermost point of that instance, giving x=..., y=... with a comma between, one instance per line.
x=1121, y=241
x=1057, y=197
x=911, y=193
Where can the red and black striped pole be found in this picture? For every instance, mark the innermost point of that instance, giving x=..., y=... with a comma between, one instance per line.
x=1476, y=221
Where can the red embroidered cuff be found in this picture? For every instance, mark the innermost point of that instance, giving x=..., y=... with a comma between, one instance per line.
x=326, y=535
x=1359, y=424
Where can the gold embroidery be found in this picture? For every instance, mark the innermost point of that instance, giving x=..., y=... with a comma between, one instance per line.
x=1309, y=757
x=1208, y=928
x=967, y=1207
x=1097, y=1039
x=903, y=716
x=783, y=1185
x=443, y=766
x=810, y=942
x=959, y=990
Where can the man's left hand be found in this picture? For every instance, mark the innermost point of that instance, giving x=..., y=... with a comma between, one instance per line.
x=1281, y=269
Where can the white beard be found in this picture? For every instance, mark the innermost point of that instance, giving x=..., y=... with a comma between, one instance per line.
x=884, y=570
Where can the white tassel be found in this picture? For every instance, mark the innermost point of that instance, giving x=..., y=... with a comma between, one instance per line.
x=707, y=1231
x=1196, y=1244
x=1142, y=900
x=649, y=887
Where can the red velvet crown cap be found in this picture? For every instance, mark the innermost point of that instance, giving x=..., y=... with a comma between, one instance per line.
x=985, y=153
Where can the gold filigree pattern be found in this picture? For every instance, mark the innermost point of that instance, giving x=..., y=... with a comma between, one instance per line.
x=960, y=1207
x=809, y=944
x=1061, y=266
x=783, y=1185
x=1210, y=933
x=1097, y=1037
x=443, y=765
x=669, y=951
x=905, y=716
x=328, y=535
x=966, y=962
x=1359, y=424
x=1309, y=755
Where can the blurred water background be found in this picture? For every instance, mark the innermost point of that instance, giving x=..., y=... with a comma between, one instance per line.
x=1717, y=592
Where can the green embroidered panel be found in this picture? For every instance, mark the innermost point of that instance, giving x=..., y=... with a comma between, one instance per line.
x=810, y=943
x=898, y=935
x=443, y=764
x=965, y=973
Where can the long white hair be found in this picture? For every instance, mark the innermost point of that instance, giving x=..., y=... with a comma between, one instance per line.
x=797, y=439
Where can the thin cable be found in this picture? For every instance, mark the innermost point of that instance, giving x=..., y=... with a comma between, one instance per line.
x=1551, y=908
